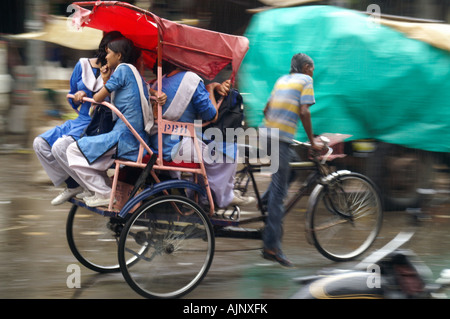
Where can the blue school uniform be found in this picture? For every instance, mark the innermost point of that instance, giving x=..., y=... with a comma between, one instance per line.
x=127, y=100
x=199, y=107
x=84, y=78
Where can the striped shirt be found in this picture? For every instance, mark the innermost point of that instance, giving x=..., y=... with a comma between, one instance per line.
x=290, y=91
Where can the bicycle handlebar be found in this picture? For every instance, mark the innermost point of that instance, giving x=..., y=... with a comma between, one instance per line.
x=325, y=141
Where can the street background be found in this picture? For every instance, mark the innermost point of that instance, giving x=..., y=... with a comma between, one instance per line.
x=34, y=255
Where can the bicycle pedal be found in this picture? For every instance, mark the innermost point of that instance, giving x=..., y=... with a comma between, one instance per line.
x=233, y=215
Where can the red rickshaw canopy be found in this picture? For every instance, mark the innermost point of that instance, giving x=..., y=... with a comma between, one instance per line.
x=202, y=51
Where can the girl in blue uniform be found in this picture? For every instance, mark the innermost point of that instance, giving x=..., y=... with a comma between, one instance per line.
x=188, y=99
x=90, y=157
x=85, y=80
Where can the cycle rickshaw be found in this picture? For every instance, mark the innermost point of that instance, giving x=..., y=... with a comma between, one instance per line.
x=163, y=241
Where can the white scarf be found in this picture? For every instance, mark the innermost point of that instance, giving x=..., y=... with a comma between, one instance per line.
x=91, y=82
x=183, y=97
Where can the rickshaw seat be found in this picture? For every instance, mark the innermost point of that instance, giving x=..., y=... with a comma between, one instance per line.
x=173, y=164
x=181, y=164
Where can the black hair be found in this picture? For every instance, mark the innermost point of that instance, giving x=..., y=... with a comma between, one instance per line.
x=167, y=67
x=298, y=61
x=130, y=53
x=101, y=51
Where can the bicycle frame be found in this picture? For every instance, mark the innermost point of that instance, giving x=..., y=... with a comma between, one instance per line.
x=318, y=167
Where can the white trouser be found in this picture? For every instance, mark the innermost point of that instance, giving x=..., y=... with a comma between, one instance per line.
x=46, y=156
x=220, y=174
x=91, y=176
x=221, y=181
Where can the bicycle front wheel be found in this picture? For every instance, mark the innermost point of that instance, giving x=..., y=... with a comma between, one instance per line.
x=179, y=246
x=344, y=216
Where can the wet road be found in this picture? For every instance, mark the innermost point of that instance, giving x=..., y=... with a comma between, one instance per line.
x=35, y=256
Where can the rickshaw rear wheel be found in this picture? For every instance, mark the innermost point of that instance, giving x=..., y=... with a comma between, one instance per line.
x=93, y=239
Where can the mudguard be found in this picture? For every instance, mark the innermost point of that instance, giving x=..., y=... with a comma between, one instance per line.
x=157, y=188
x=347, y=285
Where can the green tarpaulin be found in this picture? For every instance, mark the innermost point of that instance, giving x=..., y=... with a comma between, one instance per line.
x=370, y=80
